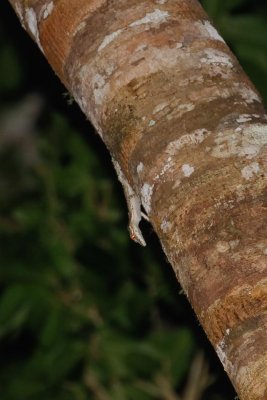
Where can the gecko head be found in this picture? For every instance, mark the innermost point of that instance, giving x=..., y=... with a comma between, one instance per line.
x=137, y=237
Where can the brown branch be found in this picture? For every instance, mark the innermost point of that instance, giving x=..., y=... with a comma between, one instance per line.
x=187, y=132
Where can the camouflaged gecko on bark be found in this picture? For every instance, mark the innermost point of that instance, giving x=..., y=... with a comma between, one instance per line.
x=134, y=207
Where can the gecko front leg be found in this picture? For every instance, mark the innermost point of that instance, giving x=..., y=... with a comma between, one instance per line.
x=134, y=207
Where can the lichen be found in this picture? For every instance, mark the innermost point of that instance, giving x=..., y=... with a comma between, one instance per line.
x=146, y=195
x=32, y=23
x=187, y=170
x=194, y=138
x=154, y=18
x=47, y=10
x=250, y=170
x=246, y=143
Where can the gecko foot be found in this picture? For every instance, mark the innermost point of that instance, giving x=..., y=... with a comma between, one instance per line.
x=136, y=235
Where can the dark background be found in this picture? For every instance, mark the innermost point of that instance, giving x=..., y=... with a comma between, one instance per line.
x=84, y=312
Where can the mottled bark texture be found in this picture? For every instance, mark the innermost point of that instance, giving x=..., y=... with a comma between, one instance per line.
x=188, y=135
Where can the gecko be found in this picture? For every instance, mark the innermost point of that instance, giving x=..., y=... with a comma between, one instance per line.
x=134, y=207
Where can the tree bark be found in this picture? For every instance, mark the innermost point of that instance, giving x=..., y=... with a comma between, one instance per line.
x=188, y=135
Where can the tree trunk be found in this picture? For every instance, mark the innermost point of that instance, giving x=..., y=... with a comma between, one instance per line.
x=187, y=133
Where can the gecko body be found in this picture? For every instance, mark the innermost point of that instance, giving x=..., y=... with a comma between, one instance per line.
x=134, y=207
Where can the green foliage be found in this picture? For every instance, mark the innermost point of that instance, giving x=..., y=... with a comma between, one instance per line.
x=9, y=66
x=217, y=8
x=84, y=313
x=70, y=287
x=242, y=23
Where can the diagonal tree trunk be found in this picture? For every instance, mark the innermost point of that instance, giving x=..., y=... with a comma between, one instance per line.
x=187, y=133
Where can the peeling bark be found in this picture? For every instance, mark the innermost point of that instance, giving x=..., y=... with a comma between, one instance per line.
x=188, y=132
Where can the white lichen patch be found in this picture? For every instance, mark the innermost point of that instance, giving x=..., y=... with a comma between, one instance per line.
x=214, y=56
x=221, y=351
x=79, y=28
x=186, y=107
x=180, y=110
x=109, y=38
x=193, y=78
x=161, y=1
x=154, y=18
x=100, y=87
x=19, y=11
x=222, y=246
x=31, y=20
x=177, y=183
x=246, y=143
x=219, y=69
x=244, y=118
x=146, y=195
x=32, y=23
x=187, y=170
x=224, y=204
x=213, y=33
x=168, y=164
x=210, y=93
x=81, y=102
x=151, y=122
x=234, y=243
x=99, y=95
x=240, y=192
x=139, y=168
x=140, y=47
x=193, y=138
x=84, y=104
x=47, y=10
x=208, y=30
x=248, y=94
x=250, y=170
x=99, y=81
x=160, y=107
x=262, y=246
x=110, y=68
x=166, y=226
